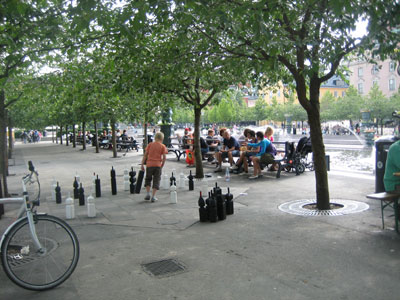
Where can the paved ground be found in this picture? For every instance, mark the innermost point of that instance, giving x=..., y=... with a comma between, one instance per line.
x=259, y=252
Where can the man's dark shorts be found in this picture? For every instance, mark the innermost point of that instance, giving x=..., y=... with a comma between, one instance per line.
x=155, y=174
x=235, y=153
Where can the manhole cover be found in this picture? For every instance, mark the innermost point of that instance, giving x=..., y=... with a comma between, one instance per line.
x=165, y=267
x=298, y=207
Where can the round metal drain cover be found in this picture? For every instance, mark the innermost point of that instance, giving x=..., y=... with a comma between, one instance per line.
x=297, y=208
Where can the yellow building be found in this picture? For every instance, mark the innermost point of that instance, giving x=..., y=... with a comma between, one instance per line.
x=336, y=86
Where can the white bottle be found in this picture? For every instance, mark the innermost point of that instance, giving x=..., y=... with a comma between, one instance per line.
x=165, y=182
x=204, y=186
x=78, y=178
x=91, y=208
x=126, y=180
x=173, y=194
x=182, y=180
x=69, y=208
x=53, y=189
x=227, y=175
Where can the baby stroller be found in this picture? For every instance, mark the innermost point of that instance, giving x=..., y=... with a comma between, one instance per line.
x=297, y=158
x=303, y=149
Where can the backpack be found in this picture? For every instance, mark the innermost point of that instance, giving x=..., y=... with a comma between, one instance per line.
x=271, y=149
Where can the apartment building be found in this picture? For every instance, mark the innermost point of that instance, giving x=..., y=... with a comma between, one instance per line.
x=386, y=74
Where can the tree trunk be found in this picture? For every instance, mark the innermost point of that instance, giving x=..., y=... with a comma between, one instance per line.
x=197, y=149
x=73, y=136
x=3, y=143
x=114, y=139
x=10, y=139
x=318, y=147
x=56, y=135
x=83, y=135
x=61, y=134
x=95, y=138
x=66, y=136
x=382, y=126
x=52, y=134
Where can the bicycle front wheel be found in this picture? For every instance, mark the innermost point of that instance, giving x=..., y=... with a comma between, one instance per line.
x=38, y=270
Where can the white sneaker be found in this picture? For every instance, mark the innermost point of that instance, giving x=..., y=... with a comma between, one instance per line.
x=154, y=199
x=253, y=177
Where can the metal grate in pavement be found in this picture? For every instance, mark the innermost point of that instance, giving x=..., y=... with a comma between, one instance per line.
x=299, y=207
x=165, y=267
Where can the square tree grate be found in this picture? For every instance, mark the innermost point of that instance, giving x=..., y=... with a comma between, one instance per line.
x=165, y=267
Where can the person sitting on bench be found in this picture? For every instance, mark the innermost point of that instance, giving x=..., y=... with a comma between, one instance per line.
x=230, y=148
x=261, y=155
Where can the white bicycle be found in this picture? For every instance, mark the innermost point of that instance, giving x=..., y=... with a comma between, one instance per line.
x=38, y=251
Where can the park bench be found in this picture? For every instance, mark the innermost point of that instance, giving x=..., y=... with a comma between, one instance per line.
x=283, y=161
x=390, y=200
x=127, y=144
x=178, y=149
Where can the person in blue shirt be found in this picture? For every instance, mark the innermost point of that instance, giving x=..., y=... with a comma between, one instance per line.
x=263, y=144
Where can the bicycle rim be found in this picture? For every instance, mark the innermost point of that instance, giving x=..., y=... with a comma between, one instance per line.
x=28, y=268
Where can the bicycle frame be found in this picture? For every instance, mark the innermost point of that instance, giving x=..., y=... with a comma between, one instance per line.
x=24, y=209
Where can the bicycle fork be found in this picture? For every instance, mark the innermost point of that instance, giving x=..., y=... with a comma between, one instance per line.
x=32, y=229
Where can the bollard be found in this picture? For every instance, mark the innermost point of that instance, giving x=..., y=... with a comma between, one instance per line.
x=229, y=203
x=191, y=183
x=76, y=191
x=139, y=182
x=113, y=182
x=126, y=180
x=202, y=209
x=132, y=180
x=98, y=187
x=69, y=207
x=91, y=208
x=58, y=193
x=173, y=194
x=81, y=195
x=182, y=180
x=53, y=189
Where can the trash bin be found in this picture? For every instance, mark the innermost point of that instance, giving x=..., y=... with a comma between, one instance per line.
x=381, y=148
x=328, y=162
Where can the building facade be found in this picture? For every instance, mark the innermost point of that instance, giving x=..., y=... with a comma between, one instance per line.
x=386, y=74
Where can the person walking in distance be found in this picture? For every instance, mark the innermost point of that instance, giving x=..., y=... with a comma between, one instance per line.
x=154, y=159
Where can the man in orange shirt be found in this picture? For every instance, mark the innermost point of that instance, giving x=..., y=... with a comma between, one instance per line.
x=154, y=159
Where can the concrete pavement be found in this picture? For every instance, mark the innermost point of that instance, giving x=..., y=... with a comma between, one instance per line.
x=259, y=252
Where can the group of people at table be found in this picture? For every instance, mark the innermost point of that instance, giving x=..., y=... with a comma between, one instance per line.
x=251, y=147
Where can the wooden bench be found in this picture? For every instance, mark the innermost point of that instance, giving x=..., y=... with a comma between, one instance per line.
x=391, y=200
